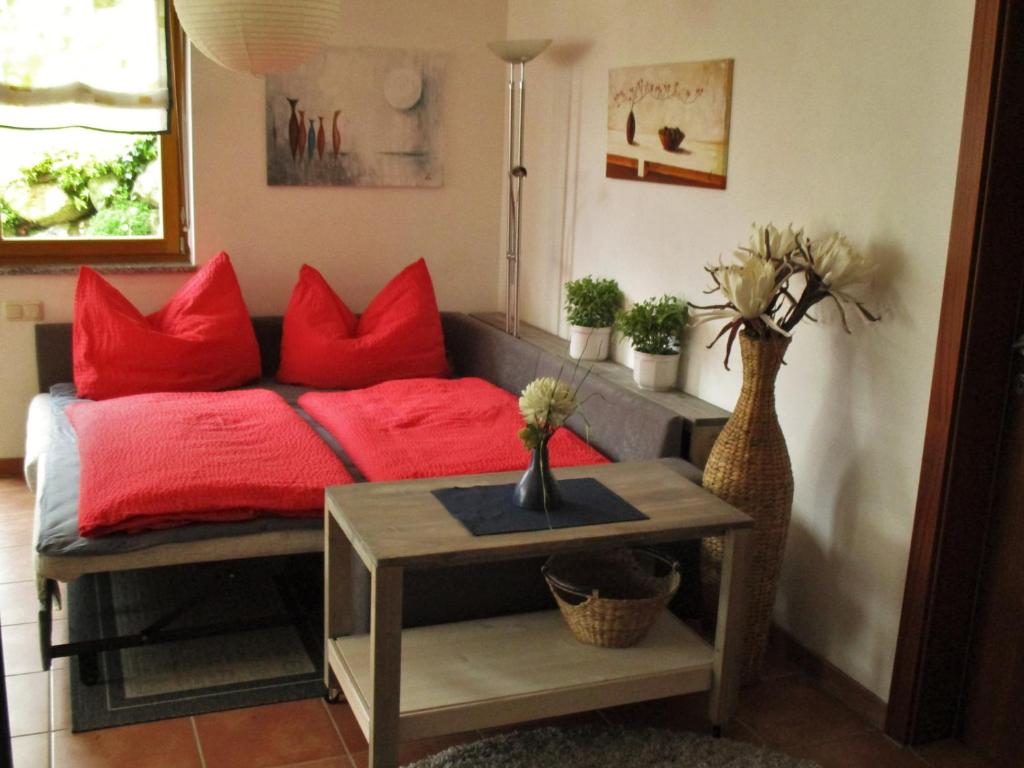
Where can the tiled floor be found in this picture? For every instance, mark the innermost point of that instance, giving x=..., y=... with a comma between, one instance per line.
x=785, y=712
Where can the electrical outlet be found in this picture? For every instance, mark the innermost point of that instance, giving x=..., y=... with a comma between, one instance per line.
x=32, y=310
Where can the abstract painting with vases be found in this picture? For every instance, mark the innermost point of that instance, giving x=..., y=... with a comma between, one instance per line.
x=362, y=117
x=669, y=123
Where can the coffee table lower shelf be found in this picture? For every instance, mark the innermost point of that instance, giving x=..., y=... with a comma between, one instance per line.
x=492, y=672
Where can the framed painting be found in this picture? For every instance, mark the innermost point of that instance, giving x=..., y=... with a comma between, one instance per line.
x=669, y=123
x=357, y=117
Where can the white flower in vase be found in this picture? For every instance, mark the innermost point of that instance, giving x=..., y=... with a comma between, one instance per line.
x=839, y=266
x=748, y=285
x=770, y=242
x=546, y=404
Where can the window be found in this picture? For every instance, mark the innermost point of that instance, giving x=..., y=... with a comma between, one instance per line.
x=86, y=196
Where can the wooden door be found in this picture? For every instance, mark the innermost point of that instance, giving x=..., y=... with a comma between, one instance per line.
x=993, y=714
x=971, y=392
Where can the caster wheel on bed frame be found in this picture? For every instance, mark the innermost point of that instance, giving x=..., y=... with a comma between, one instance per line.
x=332, y=696
x=88, y=668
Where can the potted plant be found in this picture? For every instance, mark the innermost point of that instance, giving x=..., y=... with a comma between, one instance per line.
x=590, y=306
x=655, y=327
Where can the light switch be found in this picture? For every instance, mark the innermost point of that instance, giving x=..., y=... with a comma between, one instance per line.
x=12, y=310
x=32, y=310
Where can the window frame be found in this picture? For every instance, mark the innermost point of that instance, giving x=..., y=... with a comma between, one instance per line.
x=172, y=247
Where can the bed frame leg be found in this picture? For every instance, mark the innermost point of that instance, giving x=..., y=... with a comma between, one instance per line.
x=46, y=624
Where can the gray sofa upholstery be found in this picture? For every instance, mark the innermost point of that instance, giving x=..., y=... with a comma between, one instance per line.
x=623, y=426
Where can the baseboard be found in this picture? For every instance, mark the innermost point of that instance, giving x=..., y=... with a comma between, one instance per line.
x=14, y=467
x=831, y=679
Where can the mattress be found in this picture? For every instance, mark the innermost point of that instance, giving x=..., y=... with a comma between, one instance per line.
x=57, y=477
x=37, y=437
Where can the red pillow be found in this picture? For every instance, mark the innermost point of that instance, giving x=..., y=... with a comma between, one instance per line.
x=201, y=340
x=398, y=336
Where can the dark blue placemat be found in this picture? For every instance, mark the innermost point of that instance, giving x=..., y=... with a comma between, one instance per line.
x=488, y=509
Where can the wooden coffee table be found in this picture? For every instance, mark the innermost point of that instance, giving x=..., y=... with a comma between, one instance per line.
x=428, y=681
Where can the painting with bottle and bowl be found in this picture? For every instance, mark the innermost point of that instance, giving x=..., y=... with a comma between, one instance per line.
x=669, y=123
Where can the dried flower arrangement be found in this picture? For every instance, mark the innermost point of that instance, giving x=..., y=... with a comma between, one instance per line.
x=758, y=287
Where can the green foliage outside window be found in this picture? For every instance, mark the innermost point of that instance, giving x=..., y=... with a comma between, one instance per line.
x=102, y=197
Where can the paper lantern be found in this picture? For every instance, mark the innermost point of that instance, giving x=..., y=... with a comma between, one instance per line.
x=258, y=36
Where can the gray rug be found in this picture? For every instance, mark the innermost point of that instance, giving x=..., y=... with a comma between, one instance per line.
x=189, y=677
x=610, y=747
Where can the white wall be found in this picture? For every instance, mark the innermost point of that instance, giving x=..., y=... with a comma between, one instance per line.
x=844, y=116
x=357, y=237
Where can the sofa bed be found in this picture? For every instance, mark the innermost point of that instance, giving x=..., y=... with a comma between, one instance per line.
x=623, y=426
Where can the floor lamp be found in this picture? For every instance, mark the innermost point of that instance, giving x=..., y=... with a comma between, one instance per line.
x=516, y=53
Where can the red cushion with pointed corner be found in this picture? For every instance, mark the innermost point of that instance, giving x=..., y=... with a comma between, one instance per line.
x=399, y=335
x=202, y=340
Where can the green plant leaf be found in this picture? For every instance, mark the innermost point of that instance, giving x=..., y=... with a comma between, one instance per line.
x=654, y=326
x=592, y=302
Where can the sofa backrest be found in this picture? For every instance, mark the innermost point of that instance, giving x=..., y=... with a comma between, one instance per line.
x=623, y=425
x=53, y=350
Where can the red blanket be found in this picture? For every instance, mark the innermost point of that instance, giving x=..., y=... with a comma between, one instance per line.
x=161, y=460
x=411, y=428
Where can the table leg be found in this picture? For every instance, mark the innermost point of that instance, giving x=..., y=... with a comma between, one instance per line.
x=386, y=664
x=337, y=595
x=725, y=680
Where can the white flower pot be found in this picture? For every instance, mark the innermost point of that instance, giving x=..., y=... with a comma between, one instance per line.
x=588, y=343
x=657, y=372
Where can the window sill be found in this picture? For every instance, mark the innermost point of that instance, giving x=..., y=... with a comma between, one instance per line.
x=105, y=269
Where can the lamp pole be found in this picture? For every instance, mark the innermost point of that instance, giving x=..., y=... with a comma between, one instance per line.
x=516, y=53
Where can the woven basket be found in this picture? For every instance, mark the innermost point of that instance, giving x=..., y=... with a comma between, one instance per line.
x=612, y=598
x=749, y=468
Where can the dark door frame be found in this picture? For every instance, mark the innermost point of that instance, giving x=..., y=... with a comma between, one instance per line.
x=970, y=385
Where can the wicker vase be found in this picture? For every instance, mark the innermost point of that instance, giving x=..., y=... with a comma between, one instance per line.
x=749, y=468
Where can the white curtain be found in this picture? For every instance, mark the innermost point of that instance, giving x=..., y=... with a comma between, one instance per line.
x=92, y=63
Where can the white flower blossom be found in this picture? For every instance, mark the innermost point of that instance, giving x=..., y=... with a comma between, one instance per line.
x=749, y=284
x=749, y=287
x=839, y=266
x=547, y=403
x=769, y=240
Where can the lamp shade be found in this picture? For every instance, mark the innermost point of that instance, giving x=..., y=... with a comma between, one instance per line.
x=258, y=36
x=518, y=51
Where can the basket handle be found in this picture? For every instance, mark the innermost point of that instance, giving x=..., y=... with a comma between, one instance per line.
x=563, y=587
x=672, y=563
